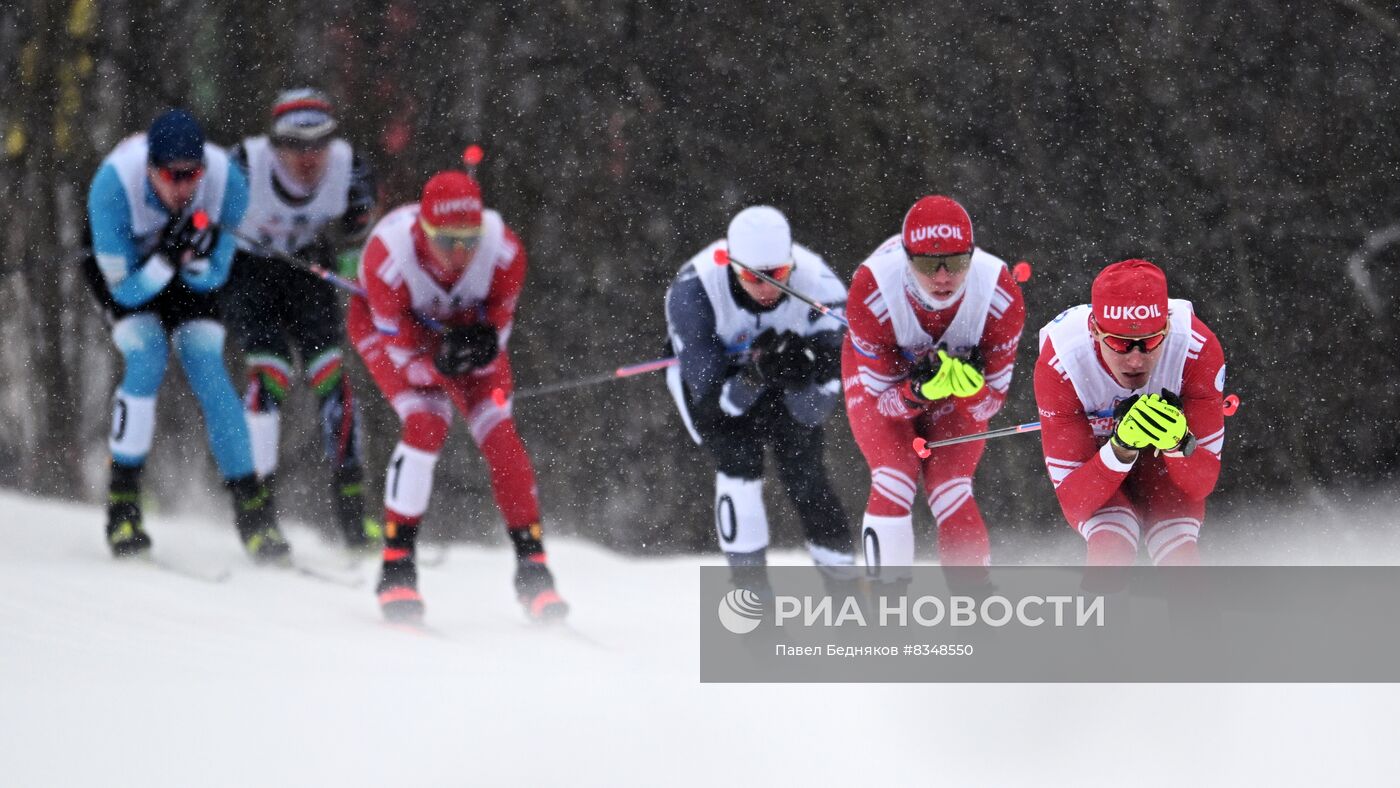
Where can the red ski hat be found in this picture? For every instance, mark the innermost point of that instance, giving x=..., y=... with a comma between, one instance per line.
x=1130, y=298
x=937, y=225
x=451, y=199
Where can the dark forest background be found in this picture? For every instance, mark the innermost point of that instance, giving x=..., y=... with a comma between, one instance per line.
x=1247, y=147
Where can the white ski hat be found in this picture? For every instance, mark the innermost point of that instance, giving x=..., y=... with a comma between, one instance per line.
x=759, y=237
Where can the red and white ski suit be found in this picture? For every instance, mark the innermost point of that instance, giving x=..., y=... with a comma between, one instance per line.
x=892, y=324
x=1159, y=499
x=387, y=329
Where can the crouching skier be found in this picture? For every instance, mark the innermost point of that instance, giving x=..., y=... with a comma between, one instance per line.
x=1130, y=388
x=935, y=323
x=309, y=195
x=778, y=398
x=158, y=263
x=447, y=263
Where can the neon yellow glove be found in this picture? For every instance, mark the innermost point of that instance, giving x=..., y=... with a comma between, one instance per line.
x=348, y=262
x=1150, y=421
x=955, y=378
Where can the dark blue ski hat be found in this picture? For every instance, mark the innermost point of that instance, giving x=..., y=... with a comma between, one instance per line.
x=175, y=136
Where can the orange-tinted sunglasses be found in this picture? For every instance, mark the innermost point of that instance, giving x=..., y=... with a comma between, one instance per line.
x=1125, y=345
x=180, y=174
x=781, y=273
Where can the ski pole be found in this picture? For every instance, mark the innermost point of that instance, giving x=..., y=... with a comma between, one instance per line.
x=923, y=447
x=306, y=265
x=722, y=258
x=628, y=371
x=201, y=221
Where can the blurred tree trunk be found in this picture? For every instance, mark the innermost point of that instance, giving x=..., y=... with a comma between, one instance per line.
x=55, y=64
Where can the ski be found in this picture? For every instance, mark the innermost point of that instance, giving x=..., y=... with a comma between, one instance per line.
x=330, y=576
x=213, y=576
x=417, y=628
x=588, y=640
x=567, y=629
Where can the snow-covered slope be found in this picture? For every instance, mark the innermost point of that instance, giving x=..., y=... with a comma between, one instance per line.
x=123, y=675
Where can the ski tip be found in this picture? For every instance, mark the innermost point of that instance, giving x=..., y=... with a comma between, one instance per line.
x=721, y=257
x=473, y=155
x=1232, y=404
x=1021, y=272
x=921, y=448
x=498, y=396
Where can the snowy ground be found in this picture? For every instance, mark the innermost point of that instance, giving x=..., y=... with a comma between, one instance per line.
x=120, y=675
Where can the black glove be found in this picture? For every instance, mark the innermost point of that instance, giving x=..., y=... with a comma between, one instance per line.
x=465, y=348
x=760, y=347
x=764, y=342
x=777, y=359
x=180, y=234
x=172, y=241
x=202, y=242
x=788, y=363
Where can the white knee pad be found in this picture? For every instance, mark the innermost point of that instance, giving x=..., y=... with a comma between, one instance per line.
x=133, y=425
x=264, y=430
x=887, y=541
x=740, y=519
x=409, y=482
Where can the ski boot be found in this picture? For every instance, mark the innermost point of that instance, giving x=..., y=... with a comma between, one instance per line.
x=399, y=599
x=534, y=587
x=749, y=572
x=125, y=536
x=363, y=535
x=534, y=584
x=257, y=522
